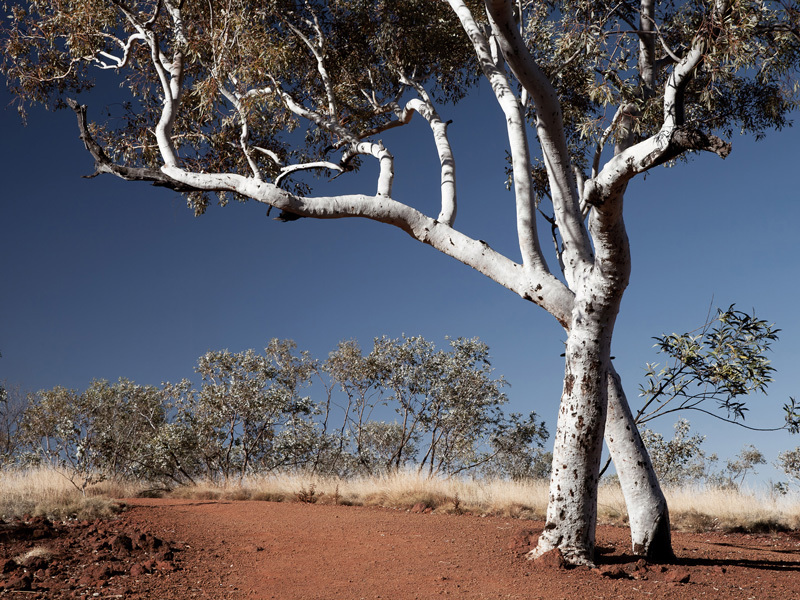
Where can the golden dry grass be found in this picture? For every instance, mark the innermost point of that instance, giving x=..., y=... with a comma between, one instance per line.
x=732, y=510
x=47, y=492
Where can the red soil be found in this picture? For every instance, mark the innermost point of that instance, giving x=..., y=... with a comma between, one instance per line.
x=174, y=549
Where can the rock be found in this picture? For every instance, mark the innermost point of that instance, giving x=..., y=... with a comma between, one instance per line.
x=615, y=572
x=678, y=576
x=140, y=569
x=8, y=565
x=19, y=582
x=552, y=559
x=165, y=555
x=95, y=575
x=419, y=507
x=165, y=567
x=121, y=544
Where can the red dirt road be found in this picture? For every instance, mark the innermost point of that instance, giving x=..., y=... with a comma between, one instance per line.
x=293, y=550
x=175, y=549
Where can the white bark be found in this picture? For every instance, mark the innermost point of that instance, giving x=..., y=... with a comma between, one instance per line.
x=545, y=290
x=532, y=256
x=648, y=514
x=572, y=507
x=577, y=250
x=424, y=107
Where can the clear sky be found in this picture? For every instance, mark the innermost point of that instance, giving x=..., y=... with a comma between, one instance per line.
x=104, y=279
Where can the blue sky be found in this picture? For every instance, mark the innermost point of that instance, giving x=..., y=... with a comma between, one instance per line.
x=104, y=279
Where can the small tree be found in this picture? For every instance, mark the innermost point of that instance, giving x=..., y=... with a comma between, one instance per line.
x=248, y=413
x=517, y=450
x=99, y=433
x=357, y=377
x=789, y=462
x=743, y=464
x=680, y=460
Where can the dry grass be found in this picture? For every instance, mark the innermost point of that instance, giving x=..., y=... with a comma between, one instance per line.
x=46, y=492
x=732, y=510
x=35, y=552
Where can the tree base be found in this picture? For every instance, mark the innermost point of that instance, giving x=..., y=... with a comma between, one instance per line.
x=659, y=550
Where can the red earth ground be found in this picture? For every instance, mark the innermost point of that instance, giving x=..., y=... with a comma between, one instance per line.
x=174, y=549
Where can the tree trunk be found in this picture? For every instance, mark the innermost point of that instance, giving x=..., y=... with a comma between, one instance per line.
x=648, y=514
x=572, y=507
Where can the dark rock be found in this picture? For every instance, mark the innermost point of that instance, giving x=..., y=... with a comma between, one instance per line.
x=8, y=565
x=615, y=572
x=19, y=582
x=121, y=544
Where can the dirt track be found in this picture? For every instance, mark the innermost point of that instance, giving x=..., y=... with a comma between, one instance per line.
x=293, y=551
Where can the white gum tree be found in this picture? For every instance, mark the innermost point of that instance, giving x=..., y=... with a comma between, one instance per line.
x=603, y=91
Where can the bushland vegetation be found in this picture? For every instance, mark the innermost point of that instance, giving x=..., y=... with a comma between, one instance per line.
x=404, y=404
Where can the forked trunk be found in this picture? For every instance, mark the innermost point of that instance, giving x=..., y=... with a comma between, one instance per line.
x=648, y=514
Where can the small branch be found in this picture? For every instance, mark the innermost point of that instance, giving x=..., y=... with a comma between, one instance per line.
x=328, y=124
x=424, y=106
x=603, y=139
x=318, y=53
x=104, y=164
x=270, y=154
x=244, y=135
x=288, y=170
x=126, y=46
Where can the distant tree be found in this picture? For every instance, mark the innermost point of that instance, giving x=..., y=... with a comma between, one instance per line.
x=448, y=406
x=13, y=402
x=517, y=450
x=358, y=444
x=248, y=413
x=213, y=90
x=743, y=464
x=679, y=461
x=789, y=462
x=96, y=434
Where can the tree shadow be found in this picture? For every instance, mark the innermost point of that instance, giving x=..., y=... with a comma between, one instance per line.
x=604, y=557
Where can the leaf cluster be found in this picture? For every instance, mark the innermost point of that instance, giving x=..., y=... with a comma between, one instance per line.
x=724, y=362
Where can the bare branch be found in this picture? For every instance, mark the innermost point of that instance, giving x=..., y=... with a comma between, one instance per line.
x=424, y=106
x=126, y=46
x=328, y=124
x=288, y=170
x=516, y=127
x=104, y=164
x=550, y=130
x=318, y=52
